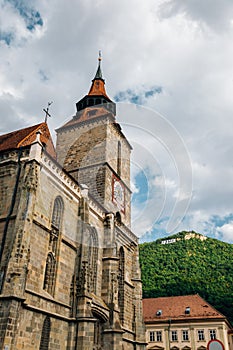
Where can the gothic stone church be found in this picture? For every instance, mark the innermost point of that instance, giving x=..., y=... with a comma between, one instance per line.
x=69, y=273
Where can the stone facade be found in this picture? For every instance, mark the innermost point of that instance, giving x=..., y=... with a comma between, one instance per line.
x=70, y=274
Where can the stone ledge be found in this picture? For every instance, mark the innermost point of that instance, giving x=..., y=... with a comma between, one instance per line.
x=12, y=296
x=46, y=312
x=48, y=298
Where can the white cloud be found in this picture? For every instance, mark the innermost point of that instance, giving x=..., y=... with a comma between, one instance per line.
x=213, y=13
x=226, y=231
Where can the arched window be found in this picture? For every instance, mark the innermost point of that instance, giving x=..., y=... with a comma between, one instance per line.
x=118, y=218
x=45, y=335
x=98, y=334
x=93, y=259
x=54, y=240
x=119, y=158
x=121, y=281
x=58, y=209
x=49, y=277
x=57, y=212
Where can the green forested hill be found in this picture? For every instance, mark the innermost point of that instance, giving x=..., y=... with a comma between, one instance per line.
x=188, y=267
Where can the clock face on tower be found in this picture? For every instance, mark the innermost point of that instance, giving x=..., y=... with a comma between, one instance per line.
x=118, y=193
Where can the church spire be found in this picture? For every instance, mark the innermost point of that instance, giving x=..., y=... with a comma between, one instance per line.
x=97, y=87
x=99, y=74
x=97, y=94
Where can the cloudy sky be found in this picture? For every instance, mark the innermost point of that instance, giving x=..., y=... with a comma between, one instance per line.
x=174, y=58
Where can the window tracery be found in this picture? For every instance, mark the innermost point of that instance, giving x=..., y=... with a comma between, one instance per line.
x=54, y=240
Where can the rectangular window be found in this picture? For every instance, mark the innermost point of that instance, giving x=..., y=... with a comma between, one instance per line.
x=212, y=334
x=152, y=336
x=200, y=334
x=185, y=335
x=174, y=336
x=158, y=336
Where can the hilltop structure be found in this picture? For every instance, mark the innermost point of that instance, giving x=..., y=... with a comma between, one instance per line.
x=185, y=236
x=69, y=273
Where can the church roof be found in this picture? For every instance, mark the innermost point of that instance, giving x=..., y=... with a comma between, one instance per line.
x=26, y=136
x=98, y=89
x=98, y=74
x=98, y=84
x=97, y=94
x=87, y=114
x=178, y=308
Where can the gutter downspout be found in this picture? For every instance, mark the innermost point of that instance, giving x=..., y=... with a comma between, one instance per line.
x=169, y=335
x=13, y=199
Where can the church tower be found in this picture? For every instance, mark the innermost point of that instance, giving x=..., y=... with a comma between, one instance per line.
x=69, y=263
x=94, y=150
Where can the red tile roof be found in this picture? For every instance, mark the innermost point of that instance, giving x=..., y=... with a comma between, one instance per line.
x=26, y=136
x=87, y=114
x=173, y=308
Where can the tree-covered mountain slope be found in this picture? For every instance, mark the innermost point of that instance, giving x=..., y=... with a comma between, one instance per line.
x=189, y=263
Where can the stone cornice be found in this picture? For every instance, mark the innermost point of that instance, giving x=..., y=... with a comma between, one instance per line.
x=126, y=232
x=78, y=124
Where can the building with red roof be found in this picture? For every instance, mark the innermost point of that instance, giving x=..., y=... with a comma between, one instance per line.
x=25, y=137
x=183, y=323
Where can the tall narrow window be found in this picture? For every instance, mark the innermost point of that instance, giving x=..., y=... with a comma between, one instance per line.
x=174, y=336
x=49, y=273
x=119, y=158
x=159, y=336
x=93, y=259
x=98, y=334
x=57, y=212
x=201, y=335
x=212, y=334
x=45, y=335
x=54, y=239
x=185, y=335
x=152, y=336
x=121, y=281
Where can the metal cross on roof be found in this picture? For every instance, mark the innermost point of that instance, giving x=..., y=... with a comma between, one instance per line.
x=47, y=112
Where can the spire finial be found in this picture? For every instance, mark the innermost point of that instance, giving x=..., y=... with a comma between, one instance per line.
x=100, y=56
x=98, y=74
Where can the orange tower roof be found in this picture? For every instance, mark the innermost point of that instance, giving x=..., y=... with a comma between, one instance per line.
x=97, y=94
x=98, y=83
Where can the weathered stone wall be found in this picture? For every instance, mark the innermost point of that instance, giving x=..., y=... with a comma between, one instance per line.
x=9, y=314
x=7, y=182
x=71, y=307
x=82, y=144
x=114, y=135
x=96, y=143
x=30, y=330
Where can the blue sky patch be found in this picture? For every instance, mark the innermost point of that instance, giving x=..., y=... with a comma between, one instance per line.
x=31, y=17
x=142, y=186
x=43, y=75
x=6, y=37
x=137, y=97
x=219, y=221
x=157, y=232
